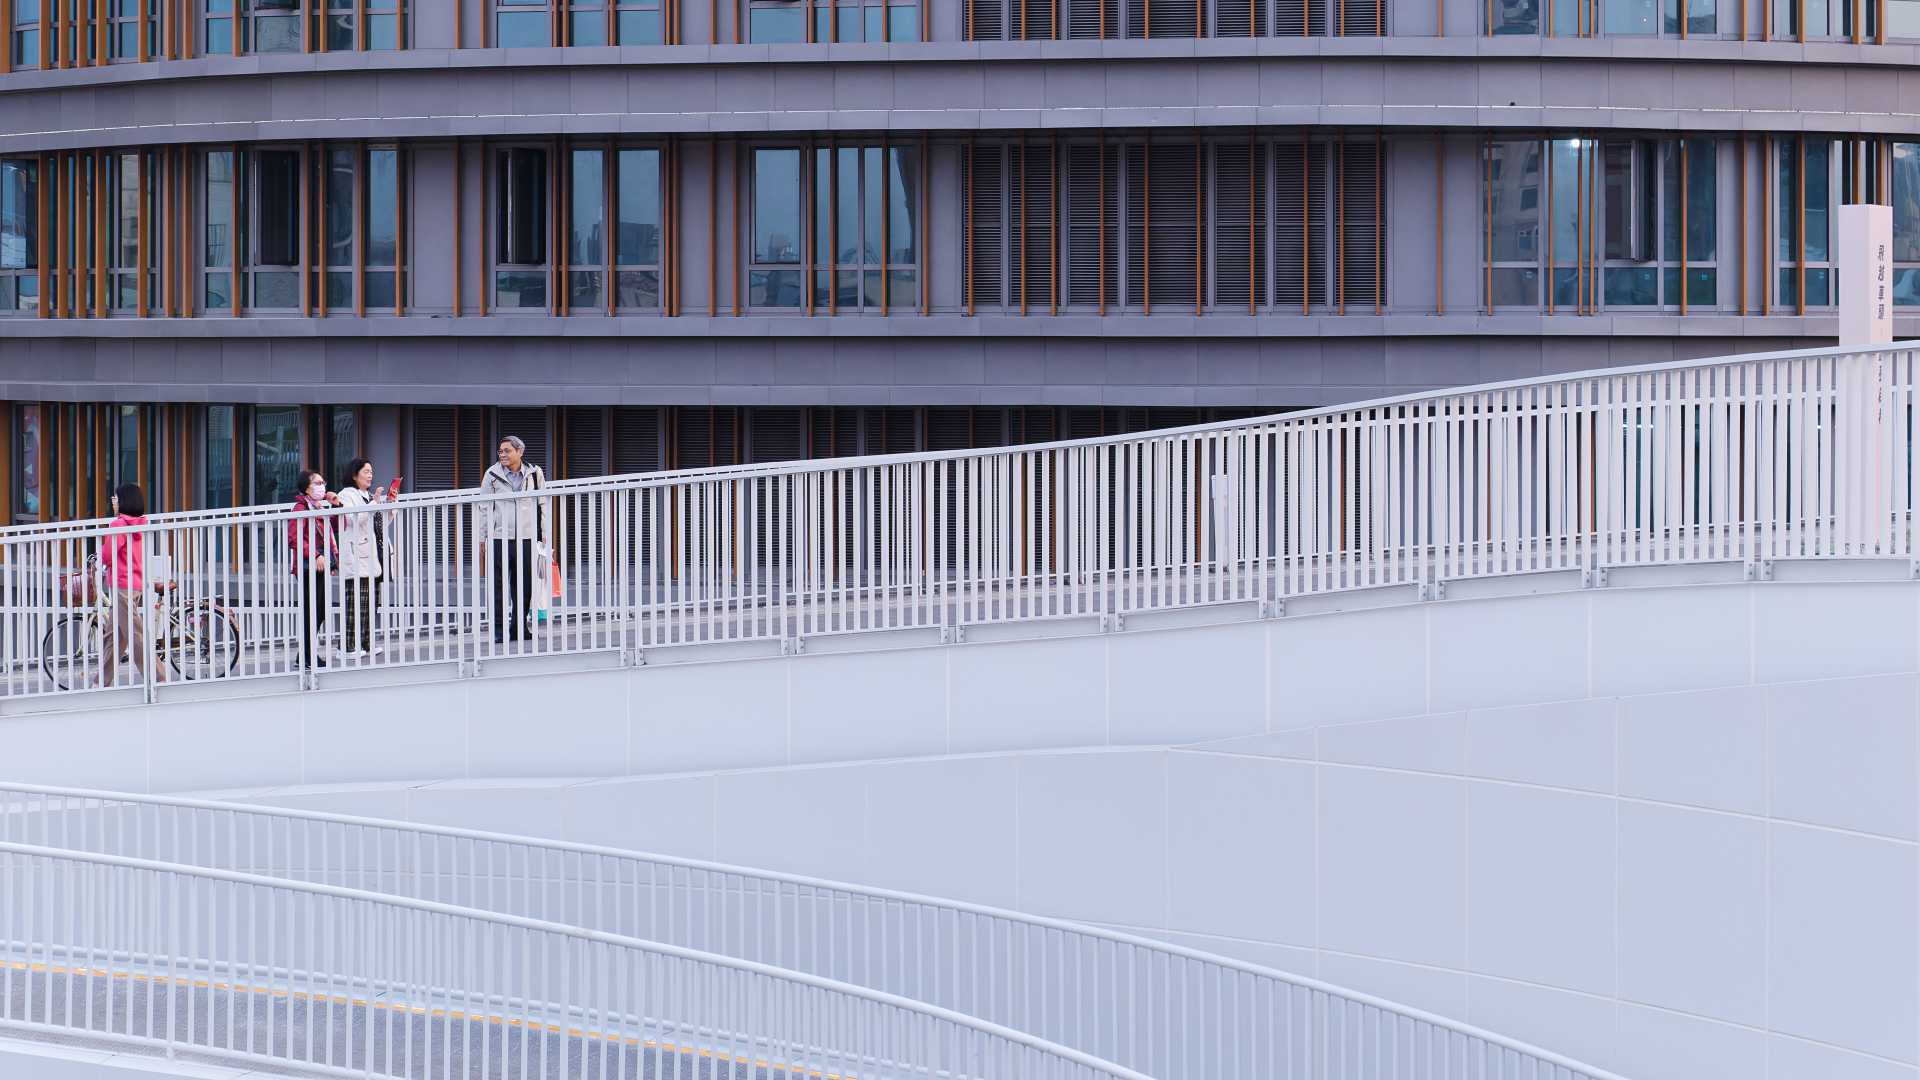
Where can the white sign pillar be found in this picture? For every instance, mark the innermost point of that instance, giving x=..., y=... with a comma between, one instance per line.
x=1866, y=318
x=1866, y=274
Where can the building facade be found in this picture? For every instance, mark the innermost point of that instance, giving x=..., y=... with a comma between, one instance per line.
x=239, y=236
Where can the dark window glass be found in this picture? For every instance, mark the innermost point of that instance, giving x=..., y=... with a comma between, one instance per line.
x=277, y=223
x=520, y=210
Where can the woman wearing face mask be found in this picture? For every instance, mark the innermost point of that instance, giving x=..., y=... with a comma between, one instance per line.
x=314, y=555
x=360, y=564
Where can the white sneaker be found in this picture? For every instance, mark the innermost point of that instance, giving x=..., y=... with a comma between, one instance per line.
x=342, y=655
x=378, y=650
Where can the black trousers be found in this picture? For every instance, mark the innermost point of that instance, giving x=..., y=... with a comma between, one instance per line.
x=363, y=600
x=313, y=610
x=512, y=587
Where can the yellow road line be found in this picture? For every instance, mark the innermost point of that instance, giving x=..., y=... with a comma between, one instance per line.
x=417, y=1010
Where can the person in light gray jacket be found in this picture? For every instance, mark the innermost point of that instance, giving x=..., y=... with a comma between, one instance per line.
x=510, y=530
x=361, y=565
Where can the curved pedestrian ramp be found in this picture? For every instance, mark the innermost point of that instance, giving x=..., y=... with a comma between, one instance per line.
x=386, y=949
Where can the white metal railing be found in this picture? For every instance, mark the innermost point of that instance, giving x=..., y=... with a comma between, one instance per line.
x=344, y=982
x=1784, y=455
x=1167, y=1011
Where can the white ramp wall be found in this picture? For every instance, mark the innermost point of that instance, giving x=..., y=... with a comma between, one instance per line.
x=1670, y=830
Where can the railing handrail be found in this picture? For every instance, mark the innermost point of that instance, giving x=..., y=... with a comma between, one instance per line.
x=581, y=933
x=89, y=527
x=1302, y=982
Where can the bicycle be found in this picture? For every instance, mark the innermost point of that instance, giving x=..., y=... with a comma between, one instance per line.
x=193, y=639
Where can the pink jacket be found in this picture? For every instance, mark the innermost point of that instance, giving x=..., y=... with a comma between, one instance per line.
x=124, y=557
x=312, y=536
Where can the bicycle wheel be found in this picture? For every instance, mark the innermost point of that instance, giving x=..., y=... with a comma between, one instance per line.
x=205, y=642
x=70, y=652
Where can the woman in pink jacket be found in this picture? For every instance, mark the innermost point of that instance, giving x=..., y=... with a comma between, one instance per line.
x=123, y=561
x=314, y=556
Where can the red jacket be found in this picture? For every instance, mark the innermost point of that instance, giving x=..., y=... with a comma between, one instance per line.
x=311, y=536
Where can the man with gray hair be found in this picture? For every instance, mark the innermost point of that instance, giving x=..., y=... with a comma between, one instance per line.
x=509, y=529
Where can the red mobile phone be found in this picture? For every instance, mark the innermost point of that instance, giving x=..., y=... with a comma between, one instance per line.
x=393, y=486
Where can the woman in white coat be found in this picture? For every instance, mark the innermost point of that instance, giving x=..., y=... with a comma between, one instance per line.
x=360, y=569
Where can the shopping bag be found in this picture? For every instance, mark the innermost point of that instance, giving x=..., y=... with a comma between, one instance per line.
x=542, y=568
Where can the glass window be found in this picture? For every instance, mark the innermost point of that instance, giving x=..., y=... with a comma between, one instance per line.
x=219, y=456
x=19, y=235
x=866, y=199
x=24, y=34
x=273, y=26
x=1701, y=19
x=777, y=228
x=520, y=28
x=1805, y=172
x=26, y=462
x=640, y=24
x=383, y=226
x=1903, y=19
x=776, y=22
x=587, y=231
x=637, y=238
x=276, y=453
x=343, y=440
x=336, y=232
x=126, y=446
x=219, y=229
x=520, y=226
x=1516, y=17
x=1906, y=222
x=1514, y=177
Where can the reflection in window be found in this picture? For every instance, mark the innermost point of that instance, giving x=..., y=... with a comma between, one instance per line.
x=587, y=230
x=865, y=200
x=1905, y=198
x=1515, y=17
x=1804, y=170
x=520, y=227
x=128, y=174
x=219, y=217
x=26, y=463
x=19, y=234
x=778, y=242
x=637, y=231
x=219, y=456
x=272, y=26
x=1514, y=180
x=276, y=453
x=1619, y=211
x=383, y=226
x=24, y=34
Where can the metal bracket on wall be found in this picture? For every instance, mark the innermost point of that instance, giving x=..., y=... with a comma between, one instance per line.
x=1112, y=623
x=469, y=669
x=953, y=635
x=1761, y=571
x=633, y=658
x=1433, y=590
x=793, y=646
x=1273, y=609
